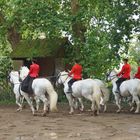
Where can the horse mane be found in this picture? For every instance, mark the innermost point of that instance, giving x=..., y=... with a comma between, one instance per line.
x=16, y=73
x=24, y=68
x=23, y=72
x=64, y=72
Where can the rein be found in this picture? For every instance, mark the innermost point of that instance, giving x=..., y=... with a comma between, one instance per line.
x=61, y=79
x=113, y=77
x=15, y=83
x=51, y=76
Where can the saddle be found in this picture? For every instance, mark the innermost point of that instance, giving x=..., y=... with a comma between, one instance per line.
x=26, y=85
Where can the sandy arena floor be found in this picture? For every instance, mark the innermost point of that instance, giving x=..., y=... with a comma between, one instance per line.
x=62, y=126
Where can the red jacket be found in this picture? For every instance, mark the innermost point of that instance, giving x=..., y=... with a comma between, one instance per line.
x=34, y=70
x=76, y=71
x=137, y=75
x=125, y=71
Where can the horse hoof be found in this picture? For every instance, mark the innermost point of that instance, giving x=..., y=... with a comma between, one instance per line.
x=34, y=114
x=18, y=110
x=81, y=109
x=118, y=111
x=95, y=113
x=136, y=112
x=70, y=113
x=44, y=114
x=131, y=110
x=48, y=110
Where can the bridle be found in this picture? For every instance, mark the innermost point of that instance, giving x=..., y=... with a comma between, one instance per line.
x=111, y=77
x=58, y=77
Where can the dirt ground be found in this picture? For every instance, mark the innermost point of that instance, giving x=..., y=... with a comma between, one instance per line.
x=62, y=126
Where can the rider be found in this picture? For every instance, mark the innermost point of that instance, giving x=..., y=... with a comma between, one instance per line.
x=124, y=74
x=137, y=75
x=33, y=73
x=76, y=73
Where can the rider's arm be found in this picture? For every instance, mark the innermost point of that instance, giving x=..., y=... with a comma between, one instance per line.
x=122, y=71
x=31, y=69
x=72, y=71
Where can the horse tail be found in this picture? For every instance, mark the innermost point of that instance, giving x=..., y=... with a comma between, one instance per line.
x=96, y=98
x=53, y=98
x=105, y=94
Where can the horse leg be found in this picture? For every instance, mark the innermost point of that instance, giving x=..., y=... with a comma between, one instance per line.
x=81, y=104
x=95, y=107
x=37, y=102
x=95, y=104
x=70, y=100
x=46, y=103
x=103, y=103
x=29, y=102
x=21, y=100
x=18, y=102
x=75, y=103
x=132, y=105
x=105, y=107
x=118, y=101
x=136, y=99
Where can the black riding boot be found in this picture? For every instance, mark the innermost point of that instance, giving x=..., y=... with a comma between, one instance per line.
x=70, y=89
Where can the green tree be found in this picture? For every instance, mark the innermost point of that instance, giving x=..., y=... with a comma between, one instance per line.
x=109, y=26
x=99, y=29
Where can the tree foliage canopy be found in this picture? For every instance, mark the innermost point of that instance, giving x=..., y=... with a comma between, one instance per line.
x=98, y=29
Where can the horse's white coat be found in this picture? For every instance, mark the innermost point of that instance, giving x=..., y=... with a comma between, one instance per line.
x=88, y=88
x=127, y=88
x=40, y=87
x=16, y=83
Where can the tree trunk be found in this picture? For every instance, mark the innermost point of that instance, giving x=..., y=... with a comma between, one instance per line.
x=77, y=26
x=12, y=35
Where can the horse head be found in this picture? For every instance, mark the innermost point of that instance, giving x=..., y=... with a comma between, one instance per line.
x=23, y=72
x=14, y=77
x=111, y=75
x=62, y=77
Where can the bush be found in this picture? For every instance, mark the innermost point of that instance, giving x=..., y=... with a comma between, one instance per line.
x=6, y=94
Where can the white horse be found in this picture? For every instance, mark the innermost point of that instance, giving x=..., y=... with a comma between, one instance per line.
x=16, y=90
x=127, y=88
x=40, y=87
x=88, y=88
